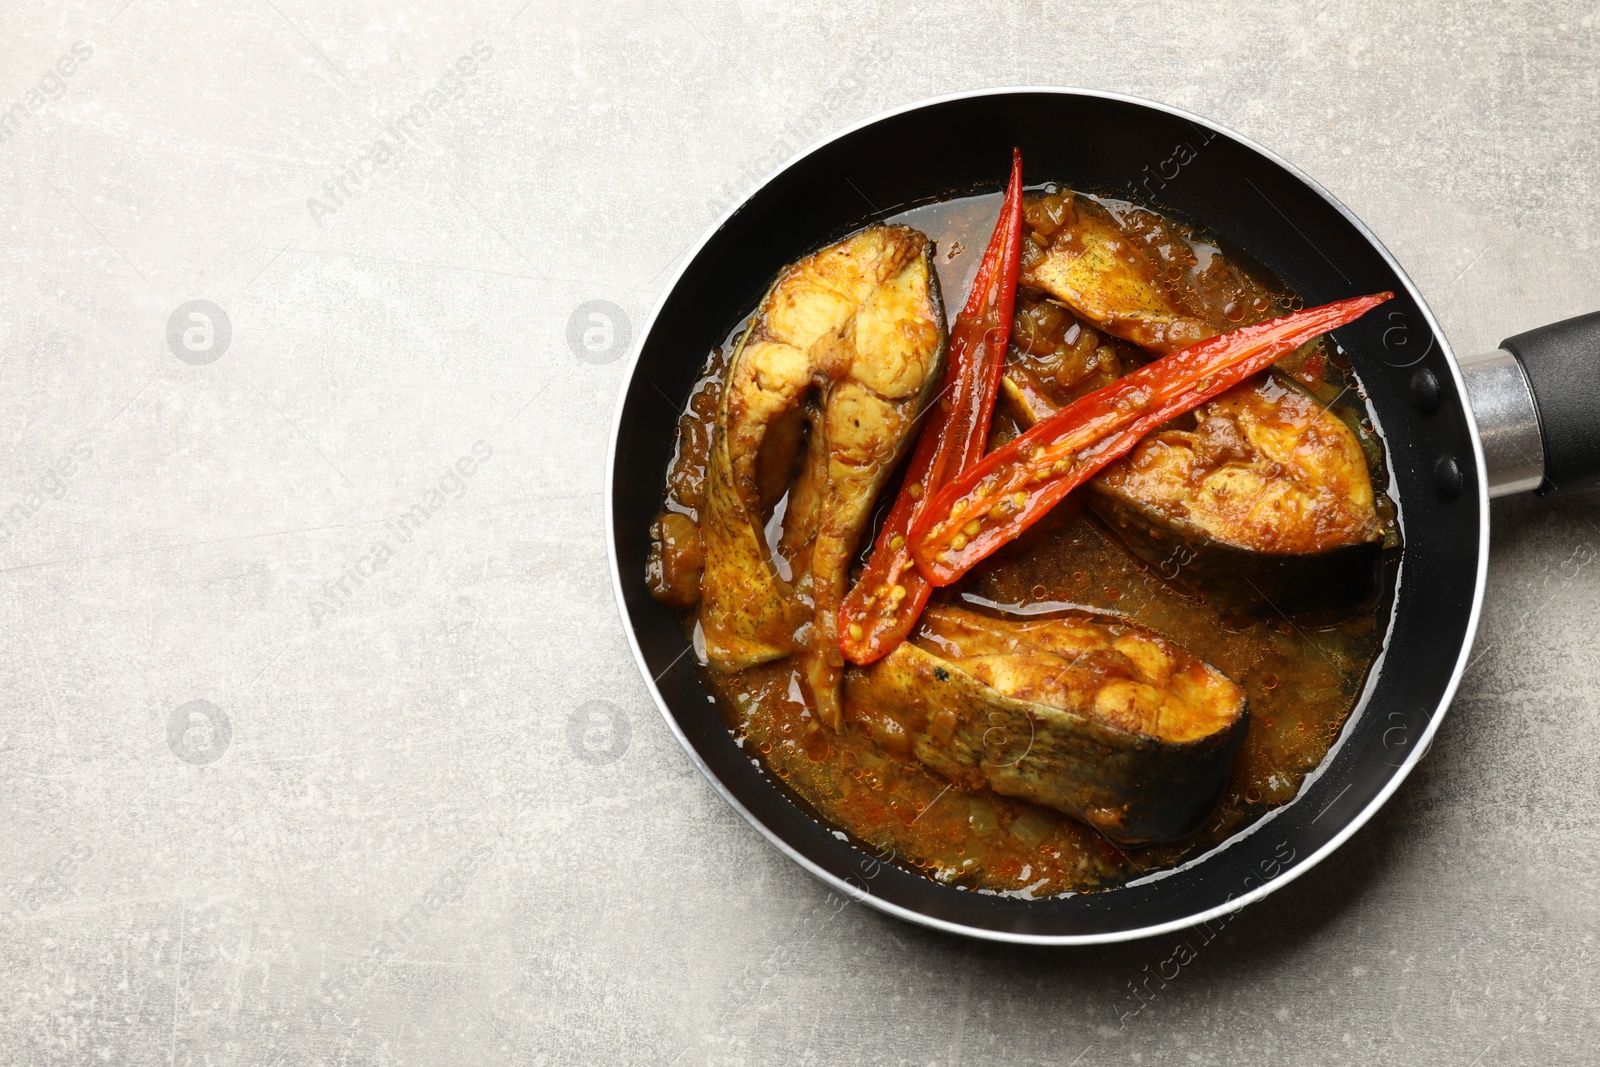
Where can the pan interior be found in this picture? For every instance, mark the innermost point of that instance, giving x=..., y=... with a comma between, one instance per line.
x=1198, y=173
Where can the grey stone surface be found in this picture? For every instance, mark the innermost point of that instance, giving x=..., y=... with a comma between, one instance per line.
x=231, y=785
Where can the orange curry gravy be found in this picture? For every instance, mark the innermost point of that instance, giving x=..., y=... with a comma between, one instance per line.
x=1301, y=677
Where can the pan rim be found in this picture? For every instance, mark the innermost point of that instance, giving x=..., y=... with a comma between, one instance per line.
x=912, y=915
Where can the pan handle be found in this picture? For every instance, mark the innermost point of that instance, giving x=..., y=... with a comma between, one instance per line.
x=1537, y=404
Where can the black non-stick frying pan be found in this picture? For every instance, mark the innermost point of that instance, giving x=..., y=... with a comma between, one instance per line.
x=1457, y=433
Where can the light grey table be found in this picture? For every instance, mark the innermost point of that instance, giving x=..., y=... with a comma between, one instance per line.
x=290, y=779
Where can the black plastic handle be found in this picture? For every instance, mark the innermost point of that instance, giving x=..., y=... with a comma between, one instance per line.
x=1562, y=362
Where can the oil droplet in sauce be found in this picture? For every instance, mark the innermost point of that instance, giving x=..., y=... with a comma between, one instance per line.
x=817, y=747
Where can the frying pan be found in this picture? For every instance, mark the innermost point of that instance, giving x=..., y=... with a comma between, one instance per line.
x=1457, y=432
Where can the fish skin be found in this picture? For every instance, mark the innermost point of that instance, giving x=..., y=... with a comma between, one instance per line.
x=855, y=333
x=1092, y=267
x=1094, y=717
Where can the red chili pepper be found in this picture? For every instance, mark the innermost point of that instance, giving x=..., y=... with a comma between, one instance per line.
x=1013, y=487
x=880, y=610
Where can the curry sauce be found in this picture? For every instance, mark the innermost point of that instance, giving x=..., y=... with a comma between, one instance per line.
x=1301, y=676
